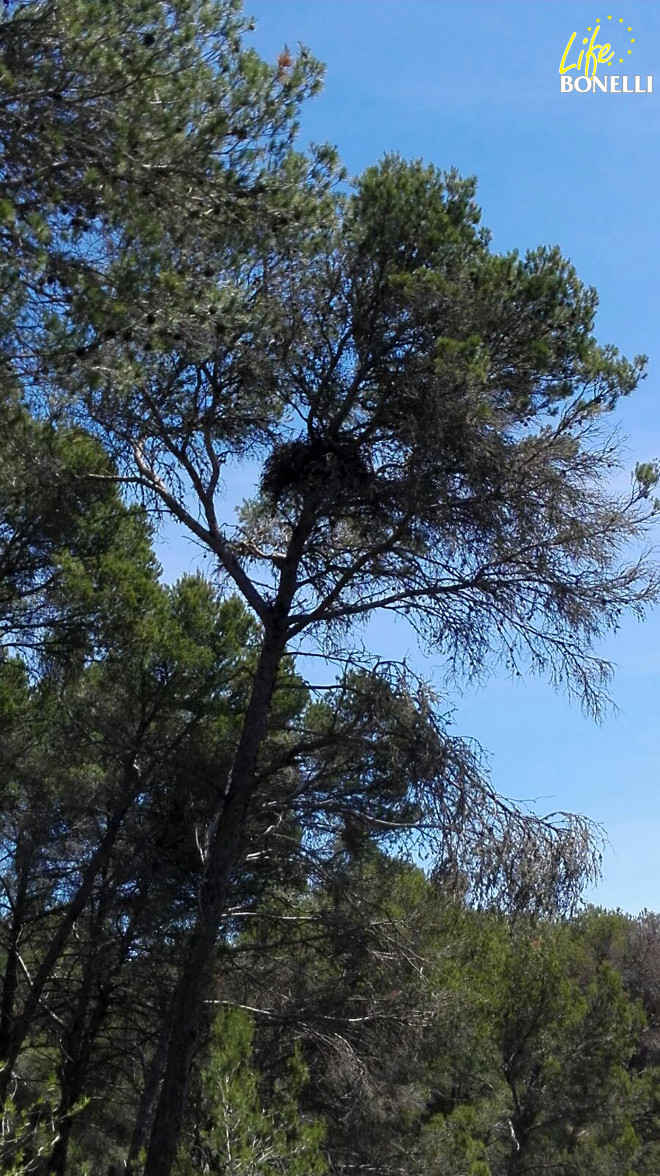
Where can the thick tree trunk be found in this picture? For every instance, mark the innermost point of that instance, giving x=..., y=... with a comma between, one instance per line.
x=187, y=1011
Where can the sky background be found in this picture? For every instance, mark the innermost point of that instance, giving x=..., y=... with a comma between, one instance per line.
x=475, y=84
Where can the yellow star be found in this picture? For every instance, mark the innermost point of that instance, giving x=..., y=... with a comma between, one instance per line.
x=629, y=52
x=632, y=40
x=609, y=18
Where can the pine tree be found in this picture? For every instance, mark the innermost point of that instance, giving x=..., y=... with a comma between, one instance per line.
x=235, y=1133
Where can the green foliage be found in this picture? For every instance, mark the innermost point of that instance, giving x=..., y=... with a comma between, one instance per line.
x=454, y=1146
x=183, y=292
x=240, y=1129
x=28, y=1134
x=553, y=1083
x=68, y=543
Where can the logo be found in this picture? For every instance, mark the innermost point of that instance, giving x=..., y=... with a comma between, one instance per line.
x=579, y=67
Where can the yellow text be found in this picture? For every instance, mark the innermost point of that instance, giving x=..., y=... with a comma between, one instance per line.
x=590, y=59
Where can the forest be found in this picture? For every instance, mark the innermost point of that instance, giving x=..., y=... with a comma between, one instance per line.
x=261, y=908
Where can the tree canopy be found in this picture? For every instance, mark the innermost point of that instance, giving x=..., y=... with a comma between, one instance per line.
x=426, y=425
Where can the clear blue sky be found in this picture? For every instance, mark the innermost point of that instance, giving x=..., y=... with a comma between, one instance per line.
x=475, y=84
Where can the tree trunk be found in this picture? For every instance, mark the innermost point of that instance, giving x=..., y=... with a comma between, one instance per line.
x=76, y=1048
x=147, y=1104
x=22, y=1024
x=187, y=1010
x=10, y=979
x=73, y=1077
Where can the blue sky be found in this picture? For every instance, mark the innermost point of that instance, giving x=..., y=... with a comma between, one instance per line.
x=475, y=84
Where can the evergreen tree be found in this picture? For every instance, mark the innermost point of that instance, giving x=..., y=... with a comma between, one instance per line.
x=428, y=420
x=235, y=1134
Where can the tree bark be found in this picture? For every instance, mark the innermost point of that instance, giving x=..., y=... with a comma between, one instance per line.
x=187, y=1010
x=73, y=1075
x=147, y=1104
x=10, y=979
x=22, y=1024
x=78, y=1042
